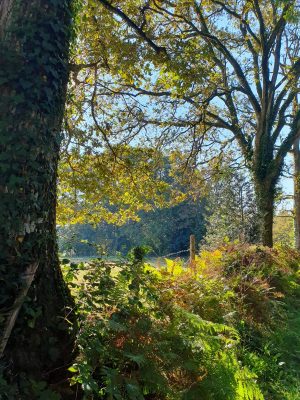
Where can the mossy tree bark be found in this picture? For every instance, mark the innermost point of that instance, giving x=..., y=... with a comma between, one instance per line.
x=265, y=175
x=34, y=48
x=265, y=194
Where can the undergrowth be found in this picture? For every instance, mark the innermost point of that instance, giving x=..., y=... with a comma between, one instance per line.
x=227, y=330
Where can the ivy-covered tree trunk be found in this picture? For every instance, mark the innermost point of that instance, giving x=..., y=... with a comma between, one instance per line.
x=265, y=175
x=34, y=47
x=265, y=194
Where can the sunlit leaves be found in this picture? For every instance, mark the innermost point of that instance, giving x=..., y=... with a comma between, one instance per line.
x=99, y=187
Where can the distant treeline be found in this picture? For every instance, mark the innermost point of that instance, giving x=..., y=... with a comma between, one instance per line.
x=163, y=230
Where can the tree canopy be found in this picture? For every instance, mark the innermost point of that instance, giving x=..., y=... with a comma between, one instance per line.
x=199, y=76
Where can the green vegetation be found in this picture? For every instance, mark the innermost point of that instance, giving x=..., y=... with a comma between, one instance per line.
x=226, y=330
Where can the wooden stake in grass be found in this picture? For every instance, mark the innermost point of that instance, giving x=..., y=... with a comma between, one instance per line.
x=192, y=253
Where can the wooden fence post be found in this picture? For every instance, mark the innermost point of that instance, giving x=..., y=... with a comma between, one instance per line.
x=192, y=252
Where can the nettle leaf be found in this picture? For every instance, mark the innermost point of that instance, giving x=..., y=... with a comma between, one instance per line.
x=116, y=326
x=137, y=358
x=133, y=391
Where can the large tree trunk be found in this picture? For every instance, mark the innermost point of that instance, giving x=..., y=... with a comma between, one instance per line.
x=34, y=46
x=265, y=175
x=265, y=194
x=296, y=155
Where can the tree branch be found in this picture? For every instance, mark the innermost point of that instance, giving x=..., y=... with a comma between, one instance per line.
x=209, y=38
x=134, y=26
x=286, y=145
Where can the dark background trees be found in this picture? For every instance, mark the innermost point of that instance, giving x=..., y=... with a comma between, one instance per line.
x=232, y=213
x=164, y=231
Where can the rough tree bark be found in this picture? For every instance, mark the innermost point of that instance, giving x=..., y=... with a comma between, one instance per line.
x=265, y=180
x=265, y=194
x=34, y=47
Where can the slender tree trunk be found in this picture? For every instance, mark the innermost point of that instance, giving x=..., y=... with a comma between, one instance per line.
x=296, y=155
x=34, y=46
x=265, y=194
